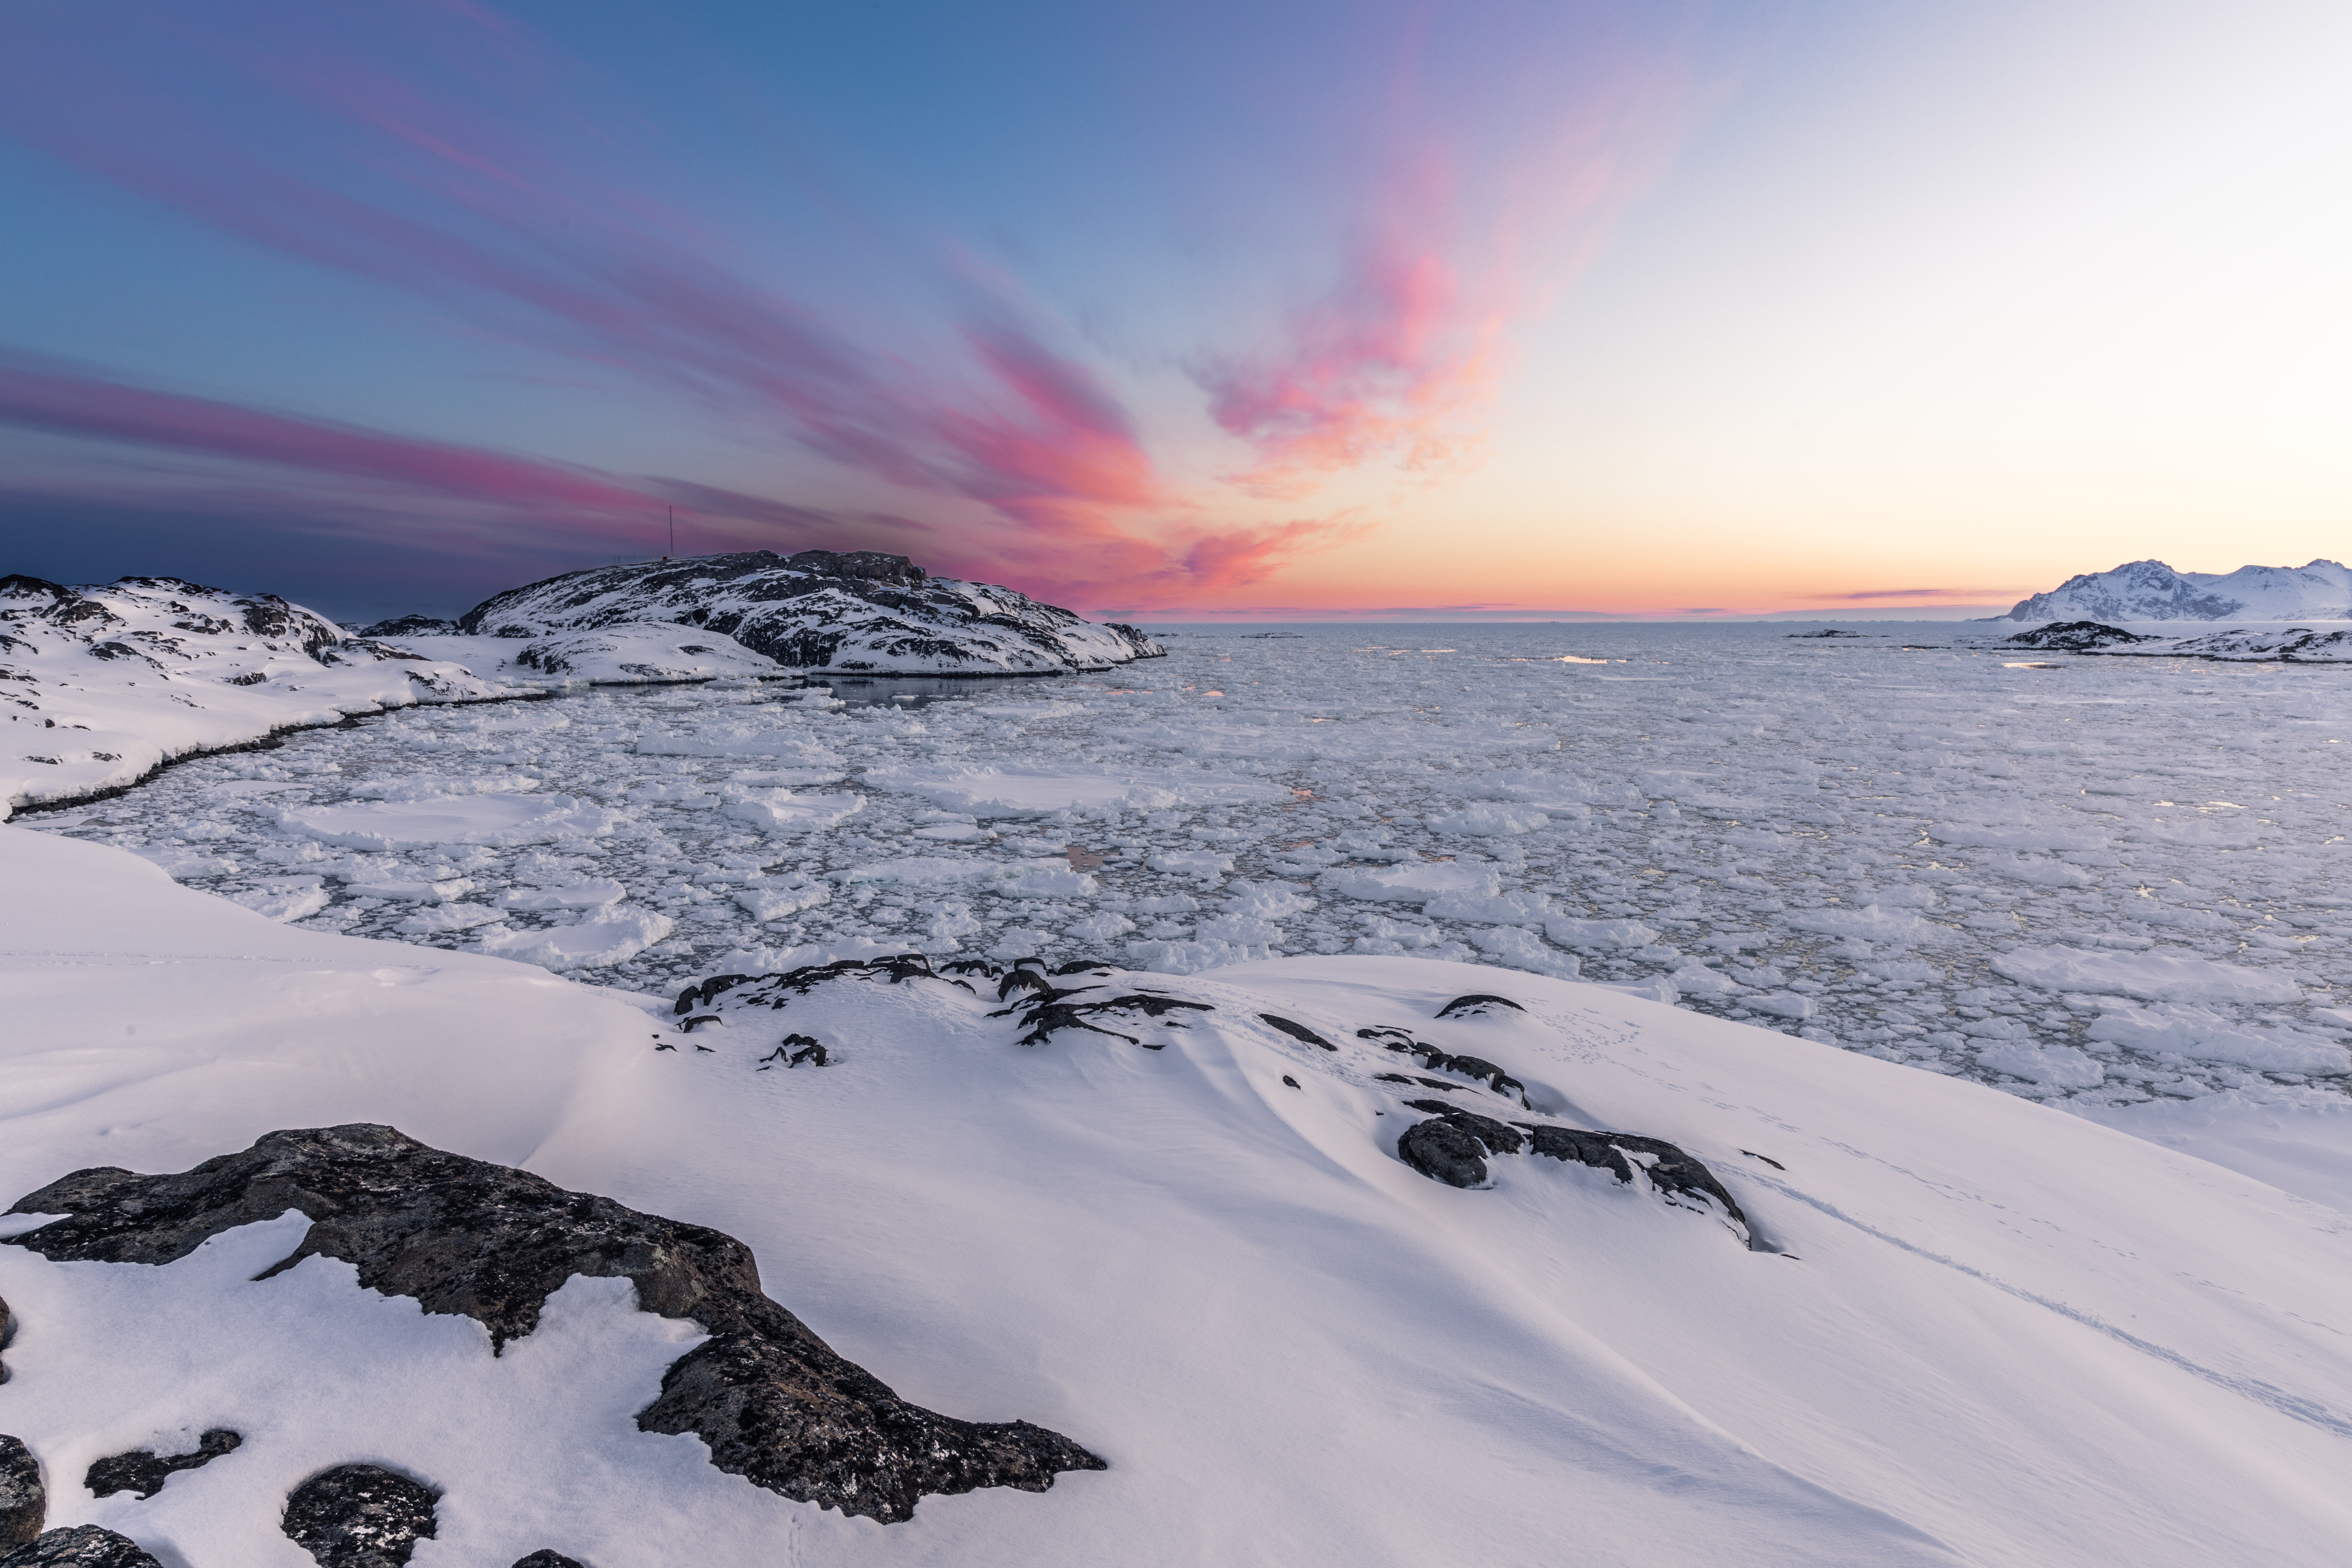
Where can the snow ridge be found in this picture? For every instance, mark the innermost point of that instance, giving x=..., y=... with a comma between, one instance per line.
x=2152, y=591
x=860, y=613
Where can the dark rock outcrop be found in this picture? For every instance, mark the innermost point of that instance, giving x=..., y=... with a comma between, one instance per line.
x=24, y=1500
x=1296, y=1031
x=359, y=1516
x=80, y=1546
x=1437, y=1060
x=1452, y=1147
x=411, y=627
x=1476, y=1004
x=2074, y=637
x=545, y=1559
x=856, y=613
x=1673, y=1174
x=142, y=1471
x=774, y=1403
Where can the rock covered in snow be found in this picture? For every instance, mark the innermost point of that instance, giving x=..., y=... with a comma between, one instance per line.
x=629, y=653
x=2291, y=645
x=2076, y=636
x=101, y=685
x=2152, y=591
x=860, y=613
x=411, y=627
x=81, y=1546
x=772, y=1400
x=359, y=1516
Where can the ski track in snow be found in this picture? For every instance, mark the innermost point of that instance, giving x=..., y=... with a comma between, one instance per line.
x=2090, y=880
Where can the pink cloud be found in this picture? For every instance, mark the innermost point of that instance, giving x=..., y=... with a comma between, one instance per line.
x=435, y=149
x=1400, y=357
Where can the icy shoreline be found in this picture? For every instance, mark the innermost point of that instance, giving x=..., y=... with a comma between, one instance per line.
x=1892, y=847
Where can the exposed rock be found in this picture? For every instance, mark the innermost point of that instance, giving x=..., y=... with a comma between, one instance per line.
x=2074, y=637
x=24, y=1500
x=411, y=627
x=1437, y=1060
x=143, y=1472
x=359, y=1516
x=861, y=612
x=1452, y=1148
x=545, y=1559
x=774, y=1403
x=7, y=1333
x=1832, y=632
x=1453, y=1145
x=1046, y=1012
x=795, y=1051
x=1476, y=1004
x=1673, y=1174
x=80, y=1546
x=775, y=990
x=1296, y=1031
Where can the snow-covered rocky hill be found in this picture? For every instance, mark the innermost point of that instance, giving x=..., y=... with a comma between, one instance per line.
x=2152, y=591
x=2235, y=645
x=1340, y=1260
x=861, y=612
x=101, y=685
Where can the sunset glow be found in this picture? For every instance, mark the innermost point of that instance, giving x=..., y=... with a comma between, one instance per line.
x=1515, y=311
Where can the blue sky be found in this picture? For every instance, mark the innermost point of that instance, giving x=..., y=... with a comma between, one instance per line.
x=1178, y=310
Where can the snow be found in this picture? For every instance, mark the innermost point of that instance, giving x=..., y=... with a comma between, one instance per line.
x=1980, y=1329
x=631, y=653
x=504, y=820
x=1001, y=791
x=862, y=613
x=2152, y=591
x=104, y=685
x=2145, y=974
x=1945, y=857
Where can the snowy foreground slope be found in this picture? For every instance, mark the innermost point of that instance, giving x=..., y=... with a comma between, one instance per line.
x=1990, y=1332
x=859, y=613
x=101, y=685
x=2152, y=591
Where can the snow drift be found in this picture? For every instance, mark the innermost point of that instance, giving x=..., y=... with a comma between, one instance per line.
x=1178, y=1224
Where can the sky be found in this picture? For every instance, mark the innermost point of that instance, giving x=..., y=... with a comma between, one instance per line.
x=1382, y=309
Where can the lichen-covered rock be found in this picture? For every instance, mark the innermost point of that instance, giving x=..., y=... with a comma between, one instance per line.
x=143, y=1471
x=359, y=1516
x=24, y=1500
x=774, y=1403
x=80, y=1546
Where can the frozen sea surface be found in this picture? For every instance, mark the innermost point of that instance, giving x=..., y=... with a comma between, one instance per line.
x=2096, y=880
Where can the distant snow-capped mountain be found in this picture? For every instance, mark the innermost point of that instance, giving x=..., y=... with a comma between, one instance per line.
x=2151, y=591
x=861, y=612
